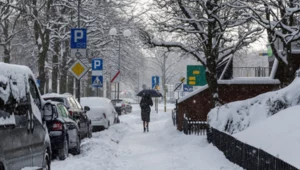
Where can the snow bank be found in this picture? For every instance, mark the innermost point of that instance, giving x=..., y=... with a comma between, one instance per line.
x=278, y=135
x=237, y=116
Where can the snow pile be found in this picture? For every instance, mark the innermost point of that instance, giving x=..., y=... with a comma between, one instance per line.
x=278, y=135
x=99, y=152
x=237, y=116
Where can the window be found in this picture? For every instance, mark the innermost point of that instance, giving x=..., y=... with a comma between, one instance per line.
x=62, y=111
x=71, y=102
x=77, y=103
x=34, y=93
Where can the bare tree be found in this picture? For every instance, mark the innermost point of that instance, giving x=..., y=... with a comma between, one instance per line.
x=281, y=20
x=10, y=14
x=208, y=30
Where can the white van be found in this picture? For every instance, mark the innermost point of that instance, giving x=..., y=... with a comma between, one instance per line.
x=24, y=137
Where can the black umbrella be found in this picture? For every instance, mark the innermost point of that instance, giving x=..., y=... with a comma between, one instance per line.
x=153, y=93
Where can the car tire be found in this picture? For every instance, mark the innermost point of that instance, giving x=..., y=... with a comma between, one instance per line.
x=64, y=152
x=47, y=160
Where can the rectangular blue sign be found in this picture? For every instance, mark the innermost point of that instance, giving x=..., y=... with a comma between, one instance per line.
x=97, y=64
x=187, y=88
x=155, y=81
x=97, y=81
x=78, y=38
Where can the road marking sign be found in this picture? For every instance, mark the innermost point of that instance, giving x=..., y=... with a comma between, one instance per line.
x=187, y=88
x=78, y=53
x=78, y=38
x=115, y=77
x=78, y=69
x=97, y=81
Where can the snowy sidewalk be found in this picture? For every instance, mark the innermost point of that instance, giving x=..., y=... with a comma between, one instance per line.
x=126, y=147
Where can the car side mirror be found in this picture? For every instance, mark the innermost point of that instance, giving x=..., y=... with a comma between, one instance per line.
x=86, y=108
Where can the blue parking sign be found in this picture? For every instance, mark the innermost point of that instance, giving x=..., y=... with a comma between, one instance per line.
x=78, y=38
x=155, y=81
x=97, y=64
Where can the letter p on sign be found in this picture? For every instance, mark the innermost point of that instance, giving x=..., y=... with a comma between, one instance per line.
x=78, y=35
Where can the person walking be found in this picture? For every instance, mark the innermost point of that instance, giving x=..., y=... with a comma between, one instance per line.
x=145, y=104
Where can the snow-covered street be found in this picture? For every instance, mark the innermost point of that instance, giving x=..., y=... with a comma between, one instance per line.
x=125, y=146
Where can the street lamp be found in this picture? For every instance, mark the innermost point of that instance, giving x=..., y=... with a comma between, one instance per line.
x=126, y=33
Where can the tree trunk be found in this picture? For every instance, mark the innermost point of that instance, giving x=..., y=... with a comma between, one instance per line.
x=55, y=66
x=41, y=68
x=211, y=78
x=89, y=91
x=64, y=68
x=70, y=83
x=6, y=46
x=7, y=53
x=42, y=39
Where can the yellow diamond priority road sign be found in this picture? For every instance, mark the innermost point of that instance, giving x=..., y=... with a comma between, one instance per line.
x=78, y=69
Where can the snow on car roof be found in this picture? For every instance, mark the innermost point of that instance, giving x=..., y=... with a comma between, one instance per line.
x=51, y=95
x=13, y=80
x=94, y=101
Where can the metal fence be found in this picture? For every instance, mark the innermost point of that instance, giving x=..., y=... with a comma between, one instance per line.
x=194, y=127
x=246, y=156
x=251, y=71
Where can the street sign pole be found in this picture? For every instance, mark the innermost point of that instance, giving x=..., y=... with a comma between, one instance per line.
x=78, y=25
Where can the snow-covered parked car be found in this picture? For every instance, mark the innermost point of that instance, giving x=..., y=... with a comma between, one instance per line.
x=24, y=137
x=76, y=111
x=63, y=131
x=102, y=112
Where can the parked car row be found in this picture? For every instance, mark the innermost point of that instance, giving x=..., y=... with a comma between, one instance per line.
x=35, y=128
x=122, y=106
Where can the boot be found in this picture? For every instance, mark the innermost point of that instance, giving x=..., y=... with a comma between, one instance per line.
x=144, y=129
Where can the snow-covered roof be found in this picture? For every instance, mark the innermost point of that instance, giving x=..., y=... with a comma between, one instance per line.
x=54, y=95
x=13, y=80
x=240, y=80
x=250, y=80
x=193, y=93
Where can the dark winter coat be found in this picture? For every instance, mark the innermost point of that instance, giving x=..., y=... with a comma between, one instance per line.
x=145, y=104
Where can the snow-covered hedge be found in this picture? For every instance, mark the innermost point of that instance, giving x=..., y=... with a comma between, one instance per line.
x=237, y=116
